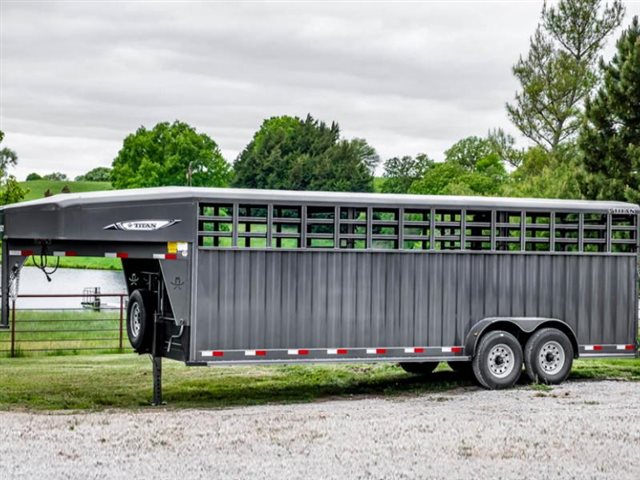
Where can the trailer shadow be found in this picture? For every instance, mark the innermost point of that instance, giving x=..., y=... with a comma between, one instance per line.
x=293, y=384
x=241, y=386
x=236, y=386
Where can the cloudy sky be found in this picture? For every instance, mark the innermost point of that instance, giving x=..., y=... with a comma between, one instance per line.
x=77, y=77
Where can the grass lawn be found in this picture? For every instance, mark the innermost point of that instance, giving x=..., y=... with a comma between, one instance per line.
x=124, y=381
x=69, y=331
x=38, y=187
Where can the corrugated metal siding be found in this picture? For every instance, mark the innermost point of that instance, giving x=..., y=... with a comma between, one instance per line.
x=307, y=299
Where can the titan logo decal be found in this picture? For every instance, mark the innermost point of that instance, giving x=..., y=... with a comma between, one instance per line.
x=624, y=211
x=142, y=225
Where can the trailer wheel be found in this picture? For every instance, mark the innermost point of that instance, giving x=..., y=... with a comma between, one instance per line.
x=140, y=320
x=548, y=356
x=498, y=360
x=419, y=368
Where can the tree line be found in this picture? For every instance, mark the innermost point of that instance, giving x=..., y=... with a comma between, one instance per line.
x=580, y=114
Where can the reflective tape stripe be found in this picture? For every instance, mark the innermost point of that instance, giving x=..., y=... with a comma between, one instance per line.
x=452, y=349
x=20, y=253
x=344, y=351
x=624, y=347
x=337, y=351
x=165, y=256
x=298, y=352
x=414, y=350
x=376, y=351
x=593, y=347
x=116, y=255
x=213, y=353
x=254, y=353
x=28, y=253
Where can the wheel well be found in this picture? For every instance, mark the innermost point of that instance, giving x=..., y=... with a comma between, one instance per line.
x=523, y=329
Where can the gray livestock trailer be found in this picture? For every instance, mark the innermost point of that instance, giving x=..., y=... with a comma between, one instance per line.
x=225, y=276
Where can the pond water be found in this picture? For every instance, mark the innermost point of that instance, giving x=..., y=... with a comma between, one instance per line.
x=68, y=281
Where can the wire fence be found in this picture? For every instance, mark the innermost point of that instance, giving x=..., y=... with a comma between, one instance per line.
x=97, y=324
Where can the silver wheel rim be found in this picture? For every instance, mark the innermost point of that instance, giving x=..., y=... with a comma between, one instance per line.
x=551, y=357
x=501, y=360
x=135, y=320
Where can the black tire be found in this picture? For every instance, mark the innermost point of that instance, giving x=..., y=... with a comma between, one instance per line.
x=463, y=369
x=140, y=321
x=498, y=360
x=419, y=368
x=548, y=356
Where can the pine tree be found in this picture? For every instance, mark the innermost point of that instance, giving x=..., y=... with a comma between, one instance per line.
x=559, y=69
x=610, y=136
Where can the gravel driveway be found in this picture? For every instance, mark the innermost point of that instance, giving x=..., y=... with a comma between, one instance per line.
x=577, y=430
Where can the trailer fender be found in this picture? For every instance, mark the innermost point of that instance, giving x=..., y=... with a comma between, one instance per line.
x=521, y=326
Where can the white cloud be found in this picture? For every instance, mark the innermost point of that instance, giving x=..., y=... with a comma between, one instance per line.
x=76, y=78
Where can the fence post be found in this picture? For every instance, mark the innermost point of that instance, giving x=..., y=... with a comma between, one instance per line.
x=121, y=319
x=13, y=328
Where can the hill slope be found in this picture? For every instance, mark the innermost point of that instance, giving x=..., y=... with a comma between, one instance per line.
x=38, y=187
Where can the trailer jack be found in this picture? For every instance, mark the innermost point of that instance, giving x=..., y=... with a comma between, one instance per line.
x=157, y=381
x=156, y=360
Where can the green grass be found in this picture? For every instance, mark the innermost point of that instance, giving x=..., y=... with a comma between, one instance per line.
x=36, y=188
x=87, y=263
x=621, y=369
x=541, y=387
x=66, y=331
x=124, y=381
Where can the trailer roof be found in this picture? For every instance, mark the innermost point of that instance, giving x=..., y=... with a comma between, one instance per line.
x=162, y=194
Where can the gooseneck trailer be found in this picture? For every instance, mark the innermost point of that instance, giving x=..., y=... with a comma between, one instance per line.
x=226, y=276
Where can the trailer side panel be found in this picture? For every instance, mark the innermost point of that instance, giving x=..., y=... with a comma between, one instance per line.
x=286, y=300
